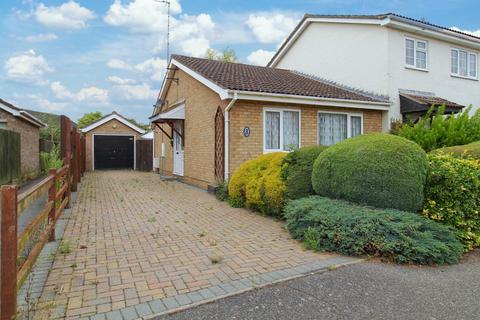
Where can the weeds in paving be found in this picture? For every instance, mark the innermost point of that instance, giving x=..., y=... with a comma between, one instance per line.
x=212, y=242
x=95, y=282
x=202, y=234
x=216, y=259
x=65, y=247
x=332, y=267
x=74, y=265
x=152, y=219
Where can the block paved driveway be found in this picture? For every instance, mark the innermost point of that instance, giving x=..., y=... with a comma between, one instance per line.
x=139, y=246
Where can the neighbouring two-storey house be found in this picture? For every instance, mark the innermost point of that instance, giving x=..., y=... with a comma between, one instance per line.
x=414, y=63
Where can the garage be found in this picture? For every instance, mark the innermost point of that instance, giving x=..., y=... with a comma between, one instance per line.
x=111, y=143
x=113, y=152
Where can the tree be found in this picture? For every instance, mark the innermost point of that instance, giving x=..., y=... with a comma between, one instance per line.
x=89, y=118
x=145, y=127
x=227, y=55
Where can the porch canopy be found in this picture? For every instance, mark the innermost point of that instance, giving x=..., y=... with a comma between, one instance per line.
x=414, y=106
x=174, y=114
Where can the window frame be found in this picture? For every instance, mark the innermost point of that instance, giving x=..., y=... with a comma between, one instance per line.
x=349, y=122
x=281, y=110
x=426, y=50
x=469, y=53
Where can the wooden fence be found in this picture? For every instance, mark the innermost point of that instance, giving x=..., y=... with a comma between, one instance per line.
x=18, y=252
x=144, y=155
x=45, y=145
x=10, y=165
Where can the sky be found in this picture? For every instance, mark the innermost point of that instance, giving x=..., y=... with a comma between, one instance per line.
x=76, y=56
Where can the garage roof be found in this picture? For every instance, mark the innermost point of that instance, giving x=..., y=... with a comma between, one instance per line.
x=112, y=116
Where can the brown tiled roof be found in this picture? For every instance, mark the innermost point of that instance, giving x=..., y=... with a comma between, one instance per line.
x=244, y=77
x=429, y=101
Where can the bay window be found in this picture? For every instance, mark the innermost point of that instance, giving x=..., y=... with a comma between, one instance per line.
x=464, y=63
x=335, y=127
x=416, y=52
x=281, y=130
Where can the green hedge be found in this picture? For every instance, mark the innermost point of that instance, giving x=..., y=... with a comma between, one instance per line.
x=381, y=170
x=257, y=185
x=452, y=195
x=438, y=130
x=297, y=171
x=471, y=150
x=403, y=237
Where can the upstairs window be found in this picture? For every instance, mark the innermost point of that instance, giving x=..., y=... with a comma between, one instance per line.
x=416, y=52
x=464, y=63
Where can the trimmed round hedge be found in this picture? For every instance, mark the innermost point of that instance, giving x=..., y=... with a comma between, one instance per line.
x=257, y=185
x=297, y=171
x=380, y=170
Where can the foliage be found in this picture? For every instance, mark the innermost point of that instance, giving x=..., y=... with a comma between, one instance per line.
x=221, y=192
x=297, y=171
x=402, y=237
x=452, y=195
x=52, y=131
x=471, y=150
x=50, y=160
x=436, y=130
x=89, y=118
x=257, y=185
x=145, y=127
x=227, y=55
x=381, y=170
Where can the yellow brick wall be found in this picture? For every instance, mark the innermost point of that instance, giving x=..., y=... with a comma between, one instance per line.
x=111, y=127
x=201, y=104
x=250, y=114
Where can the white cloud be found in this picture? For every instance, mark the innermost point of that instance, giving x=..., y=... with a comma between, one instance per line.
x=120, y=81
x=136, y=92
x=93, y=95
x=270, y=28
x=27, y=67
x=153, y=67
x=41, y=37
x=141, y=15
x=473, y=33
x=260, y=57
x=89, y=95
x=69, y=15
x=118, y=64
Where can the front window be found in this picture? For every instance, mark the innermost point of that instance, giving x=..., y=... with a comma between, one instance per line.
x=335, y=127
x=416, y=52
x=464, y=63
x=281, y=130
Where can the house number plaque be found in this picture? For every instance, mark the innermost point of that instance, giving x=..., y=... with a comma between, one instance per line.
x=246, y=132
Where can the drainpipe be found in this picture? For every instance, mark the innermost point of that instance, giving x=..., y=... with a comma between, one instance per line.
x=227, y=135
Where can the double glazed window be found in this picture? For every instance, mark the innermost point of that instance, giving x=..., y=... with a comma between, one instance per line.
x=416, y=53
x=335, y=127
x=464, y=63
x=281, y=130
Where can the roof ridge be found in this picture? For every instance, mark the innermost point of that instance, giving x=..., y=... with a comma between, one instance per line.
x=359, y=91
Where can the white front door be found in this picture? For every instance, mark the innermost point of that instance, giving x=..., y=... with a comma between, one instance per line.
x=178, y=150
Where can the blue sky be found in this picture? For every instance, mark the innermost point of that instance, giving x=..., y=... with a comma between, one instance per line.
x=71, y=57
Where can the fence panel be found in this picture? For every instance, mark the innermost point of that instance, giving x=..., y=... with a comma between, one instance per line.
x=46, y=145
x=144, y=150
x=10, y=164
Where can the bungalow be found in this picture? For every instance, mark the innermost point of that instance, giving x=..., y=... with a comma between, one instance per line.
x=211, y=116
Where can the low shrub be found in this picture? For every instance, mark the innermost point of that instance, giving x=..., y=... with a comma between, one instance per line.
x=257, y=185
x=403, y=237
x=50, y=160
x=297, y=171
x=221, y=192
x=381, y=170
x=437, y=130
x=471, y=150
x=452, y=194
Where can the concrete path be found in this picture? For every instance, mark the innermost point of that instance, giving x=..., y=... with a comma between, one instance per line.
x=138, y=246
x=363, y=291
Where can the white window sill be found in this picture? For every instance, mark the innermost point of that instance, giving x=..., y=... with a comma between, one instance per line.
x=415, y=68
x=463, y=77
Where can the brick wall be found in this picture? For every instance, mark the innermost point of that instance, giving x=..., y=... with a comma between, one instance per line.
x=29, y=139
x=111, y=127
x=250, y=114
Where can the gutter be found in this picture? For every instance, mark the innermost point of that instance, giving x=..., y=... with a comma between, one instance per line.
x=226, y=135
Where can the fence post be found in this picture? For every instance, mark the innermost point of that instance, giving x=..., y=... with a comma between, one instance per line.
x=74, y=162
x=9, y=252
x=52, y=196
x=66, y=145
